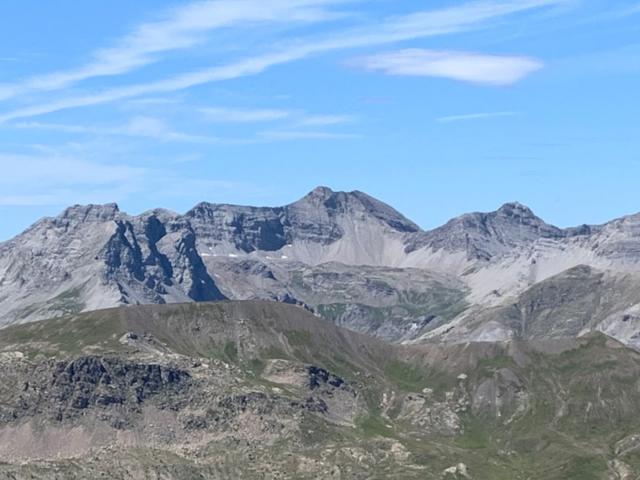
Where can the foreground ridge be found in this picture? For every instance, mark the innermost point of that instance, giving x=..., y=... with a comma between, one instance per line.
x=194, y=390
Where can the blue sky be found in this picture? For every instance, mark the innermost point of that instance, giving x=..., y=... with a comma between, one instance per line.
x=436, y=107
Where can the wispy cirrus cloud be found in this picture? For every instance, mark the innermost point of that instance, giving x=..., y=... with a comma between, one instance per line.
x=58, y=178
x=474, y=116
x=45, y=171
x=181, y=28
x=236, y=115
x=296, y=117
x=463, y=66
x=151, y=101
x=147, y=127
x=325, y=120
x=393, y=29
x=280, y=135
x=157, y=129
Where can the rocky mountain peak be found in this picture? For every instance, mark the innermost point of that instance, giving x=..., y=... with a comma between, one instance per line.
x=516, y=210
x=483, y=235
x=520, y=216
x=319, y=197
x=91, y=213
x=354, y=203
x=320, y=192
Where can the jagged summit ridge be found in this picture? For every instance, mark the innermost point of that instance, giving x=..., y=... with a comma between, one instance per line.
x=516, y=209
x=484, y=235
x=321, y=203
x=91, y=211
x=345, y=255
x=311, y=225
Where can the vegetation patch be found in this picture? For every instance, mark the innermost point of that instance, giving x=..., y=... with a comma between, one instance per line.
x=372, y=424
x=298, y=338
x=407, y=376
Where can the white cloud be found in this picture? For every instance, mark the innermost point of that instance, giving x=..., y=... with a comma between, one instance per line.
x=474, y=116
x=60, y=179
x=148, y=127
x=26, y=200
x=41, y=171
x=154, y=101
x=325, y=120
x=250, y=66
x=299, y=118
x=449, y=20
x=181, y=28
x=234, y=115
x=417, y=25
x=463, y=66
x=281, y=135
x=157, y=129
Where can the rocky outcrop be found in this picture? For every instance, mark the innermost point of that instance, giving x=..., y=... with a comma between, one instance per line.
x=61, y=391
x=256, y=389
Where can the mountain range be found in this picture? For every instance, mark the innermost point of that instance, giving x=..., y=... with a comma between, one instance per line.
x=346, y=257
x=331, y=338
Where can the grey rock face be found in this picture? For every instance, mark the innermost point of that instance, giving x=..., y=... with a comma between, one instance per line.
x=245, y=228
x=485, y=235
x=64, y=390
x=315, y=218
x=96, y=256
x=78, y=214
x=319, y=210
x=568, y=305
x=157, y=253
x=345, y=256
x=619, y=239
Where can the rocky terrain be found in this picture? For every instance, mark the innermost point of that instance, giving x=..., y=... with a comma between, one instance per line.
x=346, y=257
x=268, y=390
x=568, y=305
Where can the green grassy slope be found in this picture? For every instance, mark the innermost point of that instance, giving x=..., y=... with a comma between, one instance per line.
x=558, y=409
